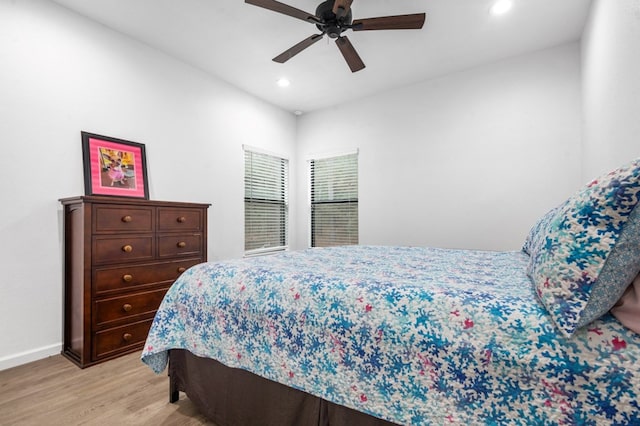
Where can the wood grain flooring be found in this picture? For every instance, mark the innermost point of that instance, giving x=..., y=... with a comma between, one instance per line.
x=123, y=391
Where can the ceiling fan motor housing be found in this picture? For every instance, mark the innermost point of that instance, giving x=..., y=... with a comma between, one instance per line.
x=332, y=25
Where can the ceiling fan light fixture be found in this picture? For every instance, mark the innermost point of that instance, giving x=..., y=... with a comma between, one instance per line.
x=501, y=7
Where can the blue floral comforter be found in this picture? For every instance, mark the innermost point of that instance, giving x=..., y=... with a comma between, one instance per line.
x=415, y=336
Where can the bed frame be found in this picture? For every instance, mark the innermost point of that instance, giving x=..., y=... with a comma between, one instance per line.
x=234, y=397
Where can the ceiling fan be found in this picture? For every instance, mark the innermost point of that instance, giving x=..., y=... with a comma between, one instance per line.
x=334, y=17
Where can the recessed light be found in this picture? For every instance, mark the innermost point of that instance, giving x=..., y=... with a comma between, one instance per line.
x=283, y=82
x=501, y=7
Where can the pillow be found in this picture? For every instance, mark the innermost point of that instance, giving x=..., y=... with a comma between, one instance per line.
x=618, y=271
x=538, y=231
x=590, y=252
x=627, y=310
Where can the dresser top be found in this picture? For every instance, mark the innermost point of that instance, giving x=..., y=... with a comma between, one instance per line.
x=88, y=199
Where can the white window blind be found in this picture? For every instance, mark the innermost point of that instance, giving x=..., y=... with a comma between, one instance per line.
x=265, y=202
x=334, y=201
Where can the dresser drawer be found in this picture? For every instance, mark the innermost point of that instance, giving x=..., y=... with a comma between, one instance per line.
x=122, y=218
x=129, y=306
x=176, y=219
x=107, y=280
x=117, y=249
x=171, y=245
x=121, y=339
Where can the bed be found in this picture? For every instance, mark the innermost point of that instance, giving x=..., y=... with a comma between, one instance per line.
x=378, y=335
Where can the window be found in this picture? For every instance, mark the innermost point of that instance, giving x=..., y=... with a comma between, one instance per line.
x=334, y=201
x=265, y=202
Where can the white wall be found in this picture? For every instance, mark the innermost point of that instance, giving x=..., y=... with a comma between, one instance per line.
x=611, y=85
x=468, y=160
x=61, y=74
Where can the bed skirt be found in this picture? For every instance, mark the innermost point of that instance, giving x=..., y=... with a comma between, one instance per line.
x=234, y=397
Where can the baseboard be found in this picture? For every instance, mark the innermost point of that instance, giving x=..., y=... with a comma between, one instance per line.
x=29, y=356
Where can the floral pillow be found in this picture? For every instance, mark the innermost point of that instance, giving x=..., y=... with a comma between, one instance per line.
x=589, y=253
x=538, y=232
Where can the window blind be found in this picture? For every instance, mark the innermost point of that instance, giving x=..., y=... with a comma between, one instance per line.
x=265, y=202
x=334, y=201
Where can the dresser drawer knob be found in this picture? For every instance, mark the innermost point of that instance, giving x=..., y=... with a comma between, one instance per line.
x=181, y=269
x=126, y=337
x=181, y=244
x=127, y=249
x=127, y=307
x=182, y=219
x=127, y=278
x=127, y=219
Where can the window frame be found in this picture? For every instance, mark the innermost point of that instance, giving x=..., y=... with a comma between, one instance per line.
x=313, y=203
x=283, y=202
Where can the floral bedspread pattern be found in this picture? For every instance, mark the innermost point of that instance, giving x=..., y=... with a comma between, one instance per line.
x=416, y=336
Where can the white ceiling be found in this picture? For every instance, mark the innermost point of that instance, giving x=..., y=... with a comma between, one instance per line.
x=235, y=41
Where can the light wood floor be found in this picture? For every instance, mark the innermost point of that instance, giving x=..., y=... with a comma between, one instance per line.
x=123, y=391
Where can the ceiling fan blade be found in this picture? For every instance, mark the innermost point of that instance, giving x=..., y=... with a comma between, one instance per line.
x=399, y=22
x=342, y=7
x=285, y=9
x=290, y=53
x=350, y=54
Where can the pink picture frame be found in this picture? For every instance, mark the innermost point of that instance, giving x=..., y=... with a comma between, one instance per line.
x=114, y=167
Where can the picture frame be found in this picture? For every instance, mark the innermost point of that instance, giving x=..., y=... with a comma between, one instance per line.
x=114, y=167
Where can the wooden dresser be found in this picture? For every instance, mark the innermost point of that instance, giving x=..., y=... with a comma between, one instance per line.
x=121, y=256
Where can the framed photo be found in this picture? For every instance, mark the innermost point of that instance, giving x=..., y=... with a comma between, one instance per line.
x=114, y=167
